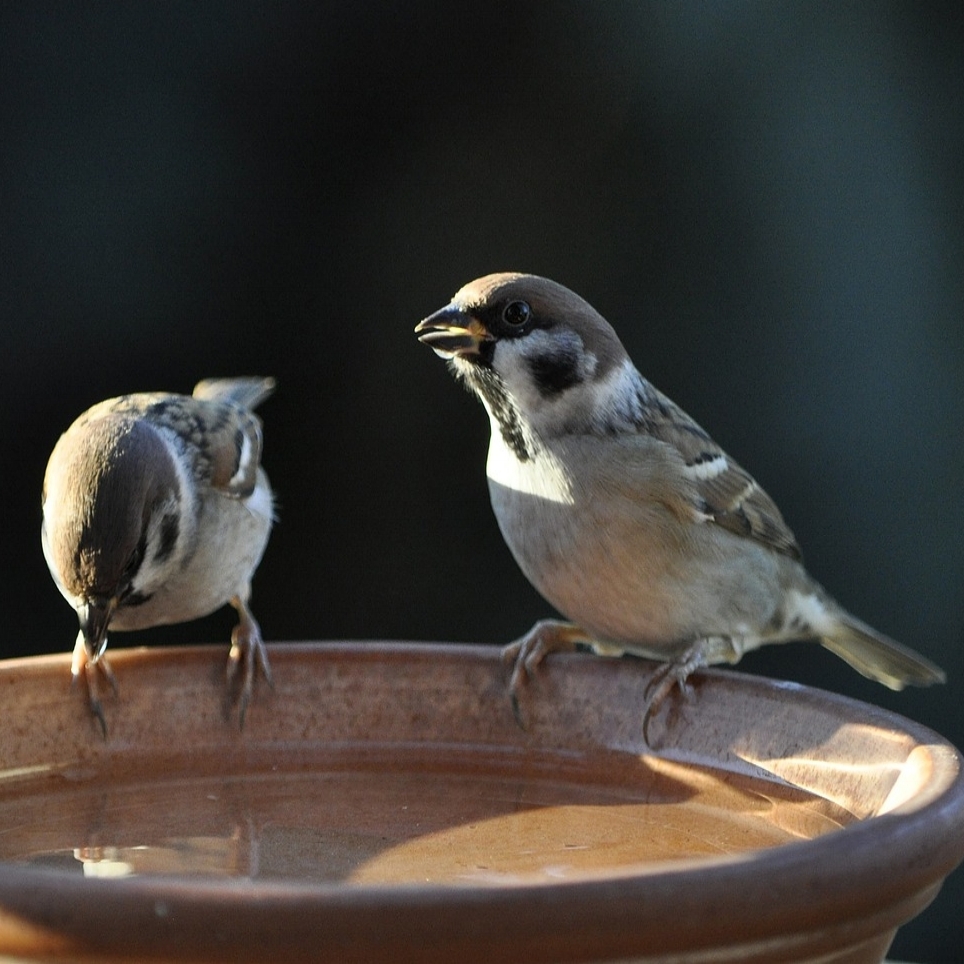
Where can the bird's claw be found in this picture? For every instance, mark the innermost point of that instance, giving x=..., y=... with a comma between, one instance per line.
x=248, y=652
x=92, y=670
x=676, y=674
x=527, y=653
x=665, y=679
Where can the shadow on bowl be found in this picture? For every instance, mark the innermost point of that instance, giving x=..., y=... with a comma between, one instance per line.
x=382, y=804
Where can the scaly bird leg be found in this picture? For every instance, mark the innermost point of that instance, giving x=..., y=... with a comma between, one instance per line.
x=92, y=669
x=248, y=651
x=528, y=652
x=704, y=652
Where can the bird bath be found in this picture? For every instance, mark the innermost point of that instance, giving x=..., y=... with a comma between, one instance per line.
x=382, y=804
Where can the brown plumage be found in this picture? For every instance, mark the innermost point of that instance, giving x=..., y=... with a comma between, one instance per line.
x=621, y=510
x=156, y=510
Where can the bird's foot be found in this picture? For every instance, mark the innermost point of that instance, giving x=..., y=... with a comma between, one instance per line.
x=93, y=669
x=248, y=652
x=528, y=651
x=667, y=676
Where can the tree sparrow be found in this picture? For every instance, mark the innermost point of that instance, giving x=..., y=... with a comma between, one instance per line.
x=621, y=510
x=156, y=510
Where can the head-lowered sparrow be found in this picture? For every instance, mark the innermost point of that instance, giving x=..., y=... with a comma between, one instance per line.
x=156, y=510
x=621, y=510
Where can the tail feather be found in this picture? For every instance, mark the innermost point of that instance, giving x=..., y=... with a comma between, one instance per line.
x=247, y=392
x=878, y=657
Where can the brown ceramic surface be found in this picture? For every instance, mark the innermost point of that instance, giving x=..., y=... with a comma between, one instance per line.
x=383, y=805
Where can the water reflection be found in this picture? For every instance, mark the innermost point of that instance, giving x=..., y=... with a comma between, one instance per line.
x=406, y=826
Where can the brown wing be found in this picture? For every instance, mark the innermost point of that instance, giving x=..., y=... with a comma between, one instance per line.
x=224, y=437
x=719, y=490
x=232, y=431
x=215, y=424
x=233, y=445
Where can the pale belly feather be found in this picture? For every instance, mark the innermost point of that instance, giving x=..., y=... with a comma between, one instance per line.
x=613, y=560
x=229, y=548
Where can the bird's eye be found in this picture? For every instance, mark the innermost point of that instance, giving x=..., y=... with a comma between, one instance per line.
x=516, y=313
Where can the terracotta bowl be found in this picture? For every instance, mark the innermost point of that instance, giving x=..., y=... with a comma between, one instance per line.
x=382, y=804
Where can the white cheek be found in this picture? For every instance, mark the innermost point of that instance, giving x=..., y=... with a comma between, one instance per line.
x=261, y=502
x=509, y=360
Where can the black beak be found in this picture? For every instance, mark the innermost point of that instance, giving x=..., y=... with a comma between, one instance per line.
x=95, y=617
x=451, y=333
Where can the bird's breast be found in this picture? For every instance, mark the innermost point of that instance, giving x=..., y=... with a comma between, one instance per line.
x=595, y=538
x=231, y=538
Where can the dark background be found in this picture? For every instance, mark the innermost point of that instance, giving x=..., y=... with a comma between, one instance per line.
x=764, y=199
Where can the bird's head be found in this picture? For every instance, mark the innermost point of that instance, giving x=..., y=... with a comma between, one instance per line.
x=111, y=518
x=535, y=353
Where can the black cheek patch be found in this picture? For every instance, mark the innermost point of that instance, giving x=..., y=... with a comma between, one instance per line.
x=555, y=373
x=170, y=528
x=135, y=599
x=486, y=353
